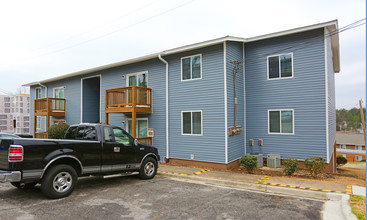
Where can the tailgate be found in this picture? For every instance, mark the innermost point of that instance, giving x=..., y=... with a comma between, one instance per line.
x=4, y=146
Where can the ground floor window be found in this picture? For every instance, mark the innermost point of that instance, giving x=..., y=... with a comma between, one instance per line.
x=191, y=122
x=358, y=158
x=141, y=127
x=281, y=121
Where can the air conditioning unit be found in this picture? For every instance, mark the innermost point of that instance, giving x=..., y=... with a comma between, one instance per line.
x=273, y=160
x=260, y=160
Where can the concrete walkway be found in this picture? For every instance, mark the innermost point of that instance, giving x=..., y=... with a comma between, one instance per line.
x=334, y=194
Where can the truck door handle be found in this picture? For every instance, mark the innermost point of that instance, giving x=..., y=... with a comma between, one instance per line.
x=116, y=149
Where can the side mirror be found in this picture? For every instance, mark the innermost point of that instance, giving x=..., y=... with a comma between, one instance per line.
x=136, y=142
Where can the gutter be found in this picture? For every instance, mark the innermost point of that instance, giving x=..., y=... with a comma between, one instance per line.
x=46, y=92
x=167, y=124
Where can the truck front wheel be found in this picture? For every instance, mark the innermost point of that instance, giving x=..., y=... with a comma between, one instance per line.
x=59, y=181
x=148, y=168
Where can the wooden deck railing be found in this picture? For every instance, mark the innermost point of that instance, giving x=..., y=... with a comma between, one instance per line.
x=145, y=140
x=49, y=106
x=128, y=97
x=43, y=135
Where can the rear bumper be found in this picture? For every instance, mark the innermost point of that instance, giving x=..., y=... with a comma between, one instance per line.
x=10, y=176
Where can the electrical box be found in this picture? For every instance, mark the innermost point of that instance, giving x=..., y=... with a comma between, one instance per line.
x=150, y=132
x=273, y=160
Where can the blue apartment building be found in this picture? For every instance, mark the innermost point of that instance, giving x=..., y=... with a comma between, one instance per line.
x=210, y=101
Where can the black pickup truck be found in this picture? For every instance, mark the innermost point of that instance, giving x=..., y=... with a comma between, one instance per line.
x=88, y=149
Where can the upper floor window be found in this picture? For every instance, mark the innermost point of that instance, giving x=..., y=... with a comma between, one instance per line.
x=38, y=92
x=281, y=121
x=280, y=66
x=343, y=146
x=191, y=67
x=358, y=147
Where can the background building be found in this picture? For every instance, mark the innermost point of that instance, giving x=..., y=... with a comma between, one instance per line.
x=14, y=107
x=351, y=146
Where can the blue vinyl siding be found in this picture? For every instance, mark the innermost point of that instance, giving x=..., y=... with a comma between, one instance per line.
x=234, y=51
x=305, y=93
x=206, y=94
x=331, y=97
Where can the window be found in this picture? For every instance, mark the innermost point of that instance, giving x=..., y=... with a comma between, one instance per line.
x=191, y=67
x=38, y=122
x=121, y=137
x=343, y=146
x=345, y=156
x=7, y=110
x=7, y=99
x=281, y=121
x=358, y=158
x=280, y=66
x=7, y=105
x=21, y=99
x=85, y=133
x=137, y=79
x=26, y=118
x=38, y=93
x=191, y=123
x=358, y=147
x=141, y=127
x=70, y=134
x=107, y=134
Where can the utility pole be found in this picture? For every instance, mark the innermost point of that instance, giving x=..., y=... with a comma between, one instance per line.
x=363, y=122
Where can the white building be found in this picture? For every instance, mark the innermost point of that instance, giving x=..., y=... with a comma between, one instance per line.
x=14, y=107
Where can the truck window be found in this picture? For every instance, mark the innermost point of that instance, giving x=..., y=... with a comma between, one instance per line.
x=86, y=133
x=90, y=133
x=121, y=137
x=70, y=134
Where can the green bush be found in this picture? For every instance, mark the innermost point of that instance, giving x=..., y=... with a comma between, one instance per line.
x=57, y=131
x=249, y=162
x=340, y=160
x=290, y=166
x=315, y=165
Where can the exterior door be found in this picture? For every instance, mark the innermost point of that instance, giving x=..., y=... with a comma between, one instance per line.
x=141, y=80
x=59, y=104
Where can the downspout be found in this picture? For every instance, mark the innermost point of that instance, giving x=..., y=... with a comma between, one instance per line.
x=46, y=92
x=167, y=130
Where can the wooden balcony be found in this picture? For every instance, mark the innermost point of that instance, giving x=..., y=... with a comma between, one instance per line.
x=49, y=107
x=131, y=99
x=128, y=99
x=145, y=140
x=43, y=135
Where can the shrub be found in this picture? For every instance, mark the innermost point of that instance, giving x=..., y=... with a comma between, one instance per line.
x=340, y=160
x=57, y=131
x=249, y=162
x=290, y=166
x=315, y=165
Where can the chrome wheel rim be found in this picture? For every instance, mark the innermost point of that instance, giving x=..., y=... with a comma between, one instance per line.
x=149, y=169
x=62, y=182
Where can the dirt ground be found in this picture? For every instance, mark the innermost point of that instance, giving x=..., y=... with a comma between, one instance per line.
x=350, y=174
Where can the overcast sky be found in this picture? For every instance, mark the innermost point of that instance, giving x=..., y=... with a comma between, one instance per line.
x=45, y=39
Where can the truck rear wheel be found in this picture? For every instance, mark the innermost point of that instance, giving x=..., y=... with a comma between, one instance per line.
x=20, y=185
x=59, y=181
x=148, y=168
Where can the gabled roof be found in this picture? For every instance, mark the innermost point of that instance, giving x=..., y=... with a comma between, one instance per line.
x=350, y=139
x=332, y=26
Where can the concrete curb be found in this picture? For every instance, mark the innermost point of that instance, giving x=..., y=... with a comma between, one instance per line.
x=332, y=200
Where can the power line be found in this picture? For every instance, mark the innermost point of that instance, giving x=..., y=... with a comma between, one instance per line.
x=109, y=33
x=97, y=27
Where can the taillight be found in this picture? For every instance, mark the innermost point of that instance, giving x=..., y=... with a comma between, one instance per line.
x=15, y=153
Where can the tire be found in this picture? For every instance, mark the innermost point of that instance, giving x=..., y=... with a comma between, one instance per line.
x=148, y=168
x=20, y=185
x=59, y=181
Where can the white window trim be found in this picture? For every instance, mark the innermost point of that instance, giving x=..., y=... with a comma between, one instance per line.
x=54, y=90
x=35, y=93
x=280, y=110
x=201, y=112
x=201, y=68
x=358, y=146
x=136, y=127
x=38, y=123
x=135, y=74
x=280, y=74
x=359, y=156
x=343, y=145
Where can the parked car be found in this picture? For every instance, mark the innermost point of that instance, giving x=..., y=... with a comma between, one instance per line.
x=7, y=135
x=88, y=149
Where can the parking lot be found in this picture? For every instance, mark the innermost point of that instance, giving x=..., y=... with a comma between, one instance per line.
x=160, y=198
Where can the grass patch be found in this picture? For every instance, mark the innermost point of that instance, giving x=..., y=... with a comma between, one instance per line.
x=358, y=204
x=356, y=163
